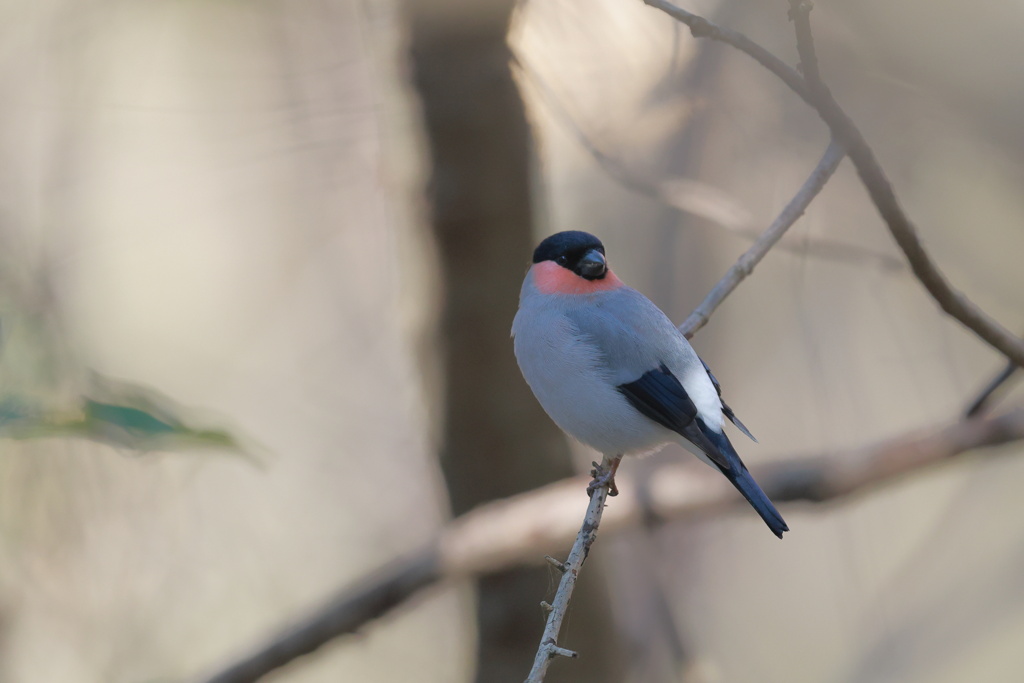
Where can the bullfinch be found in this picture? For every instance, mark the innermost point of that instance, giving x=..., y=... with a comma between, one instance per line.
x=613, y=371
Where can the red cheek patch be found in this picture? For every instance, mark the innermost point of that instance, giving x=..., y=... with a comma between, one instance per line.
x=552, y=278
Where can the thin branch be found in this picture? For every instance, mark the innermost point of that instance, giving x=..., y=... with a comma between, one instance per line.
x=514, y=530
x=799, y=11
x=517, y=530
x=702, y=28
x=979, y=403
x=377, y=594
x=830, y=161
x=825, y=479
x=549, y=648
x=952, y=301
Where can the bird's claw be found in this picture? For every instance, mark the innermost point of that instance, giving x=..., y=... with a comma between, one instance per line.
x=603, y=478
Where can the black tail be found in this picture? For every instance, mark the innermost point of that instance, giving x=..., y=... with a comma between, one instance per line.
x=741, y=479
x=737, y=473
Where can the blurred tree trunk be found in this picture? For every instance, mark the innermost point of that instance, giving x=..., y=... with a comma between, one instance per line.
x=496, y=441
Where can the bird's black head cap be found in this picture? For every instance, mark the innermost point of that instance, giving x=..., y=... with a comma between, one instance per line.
x=574, y=249
x=568, y=243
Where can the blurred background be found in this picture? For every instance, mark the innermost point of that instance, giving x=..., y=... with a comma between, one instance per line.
x=258, y=265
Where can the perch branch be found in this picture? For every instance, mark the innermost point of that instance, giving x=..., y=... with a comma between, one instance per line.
x=834, y=154
x=951, y=300
x=519, y=529
x=549, y=648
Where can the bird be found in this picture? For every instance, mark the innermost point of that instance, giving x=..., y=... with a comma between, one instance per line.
x=612, y=371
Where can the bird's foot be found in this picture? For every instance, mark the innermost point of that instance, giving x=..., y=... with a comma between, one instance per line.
x=604, y=477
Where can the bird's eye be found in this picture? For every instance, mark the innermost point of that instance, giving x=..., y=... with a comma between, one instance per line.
x=562, y=260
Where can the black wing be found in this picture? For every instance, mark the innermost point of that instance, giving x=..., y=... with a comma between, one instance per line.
x=726, y=410
x=662, y=398
x=659, y=396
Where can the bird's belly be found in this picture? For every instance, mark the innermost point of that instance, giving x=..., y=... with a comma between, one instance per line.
x=604, y=421
x=564, y=372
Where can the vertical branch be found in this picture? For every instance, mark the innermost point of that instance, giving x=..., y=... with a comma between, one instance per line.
x=799, y=14
x=570, y=569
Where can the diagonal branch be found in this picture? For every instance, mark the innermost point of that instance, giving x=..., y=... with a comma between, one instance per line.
x=517, y=530
x=834, y=154
x=981, y=400
x=702, y=28
x=342, y=614
x=951, y=300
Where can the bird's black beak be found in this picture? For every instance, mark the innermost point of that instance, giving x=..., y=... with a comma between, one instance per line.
x=592, y=266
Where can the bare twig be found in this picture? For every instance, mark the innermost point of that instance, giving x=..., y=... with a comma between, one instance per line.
x=952, y=301
x=570, y=569
x=519, y=529
x=834, y=154
x=702, y=28
x=799, y=11
x=828, y=478
x=985, y=394
x=378, y=594
x=515, y=530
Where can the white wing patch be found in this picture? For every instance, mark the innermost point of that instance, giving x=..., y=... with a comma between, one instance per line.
x=702, y=392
